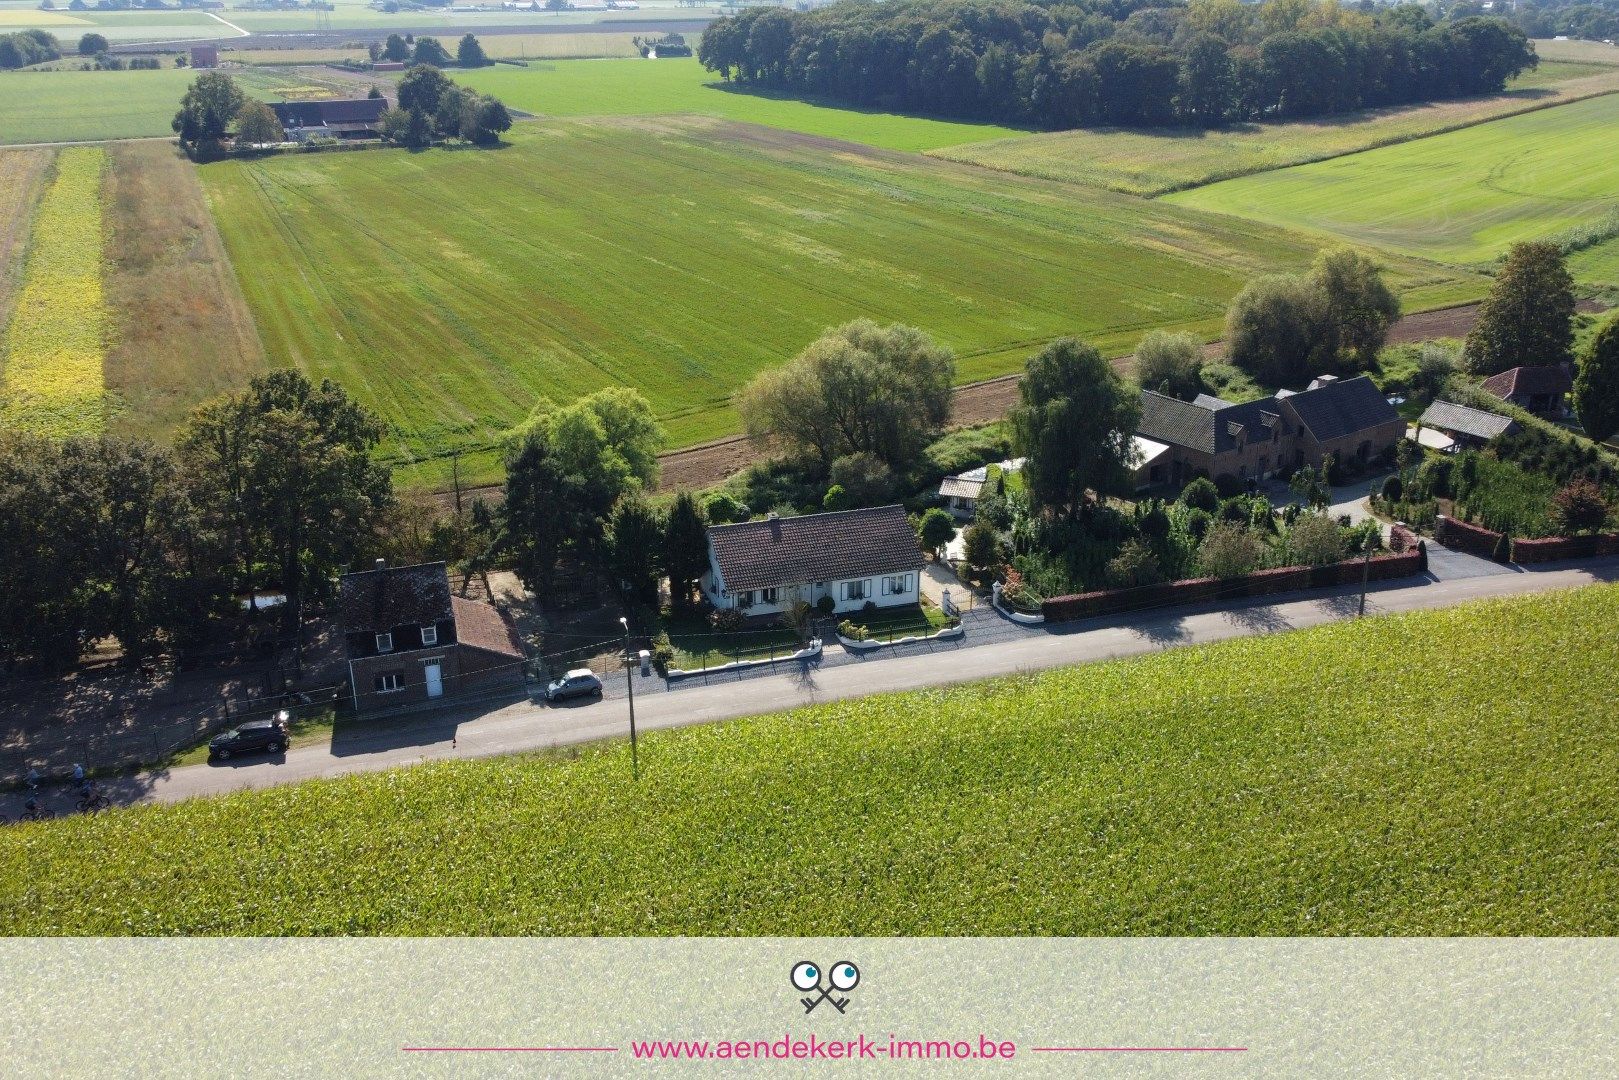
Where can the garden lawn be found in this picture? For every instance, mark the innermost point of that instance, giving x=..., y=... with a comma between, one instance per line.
x=1144, y=161
x=51, y=351
x=1447, y=772
x=451, y=289
x=1462, y=197
x=681, y=85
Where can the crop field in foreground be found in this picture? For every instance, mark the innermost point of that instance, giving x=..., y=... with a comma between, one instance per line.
x=64, y=106
x=1407, y=775
x=1461, y=197
x=681, y=85
x=451, y=289
x=51, y=351
x=22, y=175
x=1152, y=162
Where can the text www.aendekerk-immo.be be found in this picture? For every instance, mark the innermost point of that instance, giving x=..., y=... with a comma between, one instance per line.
x=978, y=1047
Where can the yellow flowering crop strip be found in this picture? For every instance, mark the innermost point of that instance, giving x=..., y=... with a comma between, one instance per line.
x=51, y=379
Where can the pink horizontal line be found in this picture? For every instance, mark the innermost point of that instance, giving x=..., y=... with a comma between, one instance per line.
x=510, y=1049
x=1139, y=1049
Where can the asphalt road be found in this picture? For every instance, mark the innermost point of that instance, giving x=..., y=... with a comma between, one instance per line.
x=475, y=732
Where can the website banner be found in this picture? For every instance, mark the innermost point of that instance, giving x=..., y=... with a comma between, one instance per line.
x=810, y=1007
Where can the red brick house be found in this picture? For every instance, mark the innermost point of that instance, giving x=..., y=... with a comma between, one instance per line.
x=409, y=639
x=1543, y=390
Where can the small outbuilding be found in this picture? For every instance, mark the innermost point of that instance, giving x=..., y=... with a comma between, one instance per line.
x=204, y=56
x=1542, y=389
x=1465, y=425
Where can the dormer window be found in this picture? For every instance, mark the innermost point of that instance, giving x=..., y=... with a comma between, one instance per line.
x=430, y=635
x=385, y=643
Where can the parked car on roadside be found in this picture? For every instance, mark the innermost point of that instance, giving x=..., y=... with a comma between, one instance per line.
x=580, y=682
x=267, y=735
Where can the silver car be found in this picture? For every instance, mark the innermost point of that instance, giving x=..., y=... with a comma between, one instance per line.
x=580, y=682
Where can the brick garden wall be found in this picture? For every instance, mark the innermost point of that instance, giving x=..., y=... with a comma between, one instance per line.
x=1261, y=583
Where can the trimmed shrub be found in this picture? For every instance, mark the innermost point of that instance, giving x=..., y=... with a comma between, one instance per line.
x=1201, y=494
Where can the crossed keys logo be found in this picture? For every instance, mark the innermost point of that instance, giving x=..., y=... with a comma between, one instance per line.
x=806, y=977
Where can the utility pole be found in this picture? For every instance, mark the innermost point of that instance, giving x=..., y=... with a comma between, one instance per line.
x=629, y=673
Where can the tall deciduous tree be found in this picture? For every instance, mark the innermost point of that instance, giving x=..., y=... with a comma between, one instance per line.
x=861, y=388
x=1074, y=421
x=1596, y=386
x=1170, y=364
x=1272, y=327
x=1528, y=317
x=470, y=53
x=256, y=124
x=285, y=469
x=1356, y=307
x=208, y=107
x=395, y=49
x=421, y=88
x=685, y=549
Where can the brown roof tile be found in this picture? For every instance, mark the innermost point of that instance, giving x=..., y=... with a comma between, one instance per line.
x=484, y=626
x=816, y=547
x=379, y=600
x=1542, y=379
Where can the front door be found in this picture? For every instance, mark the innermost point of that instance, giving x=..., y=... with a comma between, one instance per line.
x=435, y=679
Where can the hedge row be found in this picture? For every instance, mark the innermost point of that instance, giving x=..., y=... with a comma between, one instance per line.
x=1261, y=583
x=1553, y=548
x=1460, y=536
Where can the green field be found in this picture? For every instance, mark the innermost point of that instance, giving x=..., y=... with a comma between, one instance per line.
x=62, y=106
x=1443, y=773
x=1156, y=161
x=1460, y=197
x=659, y=87
x=450, y=289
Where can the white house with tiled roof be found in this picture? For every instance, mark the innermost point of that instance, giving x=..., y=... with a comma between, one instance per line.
x=853, y=556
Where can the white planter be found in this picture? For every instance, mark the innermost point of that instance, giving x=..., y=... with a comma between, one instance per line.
x=809, y=652
x=1019, y=617
x=949, y=633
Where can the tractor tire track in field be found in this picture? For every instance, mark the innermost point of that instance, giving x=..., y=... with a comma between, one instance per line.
x=711, y=463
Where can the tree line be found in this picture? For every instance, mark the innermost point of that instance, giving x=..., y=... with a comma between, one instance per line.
x=26, y=48
x=1592, y=20
x=1127, y=62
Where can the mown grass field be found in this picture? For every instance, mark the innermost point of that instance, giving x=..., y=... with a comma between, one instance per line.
x=681, y=85
x=1153, y=162
x=64, y=106
x=451, y=289
x=51, y=352
x=1461, y=197
x=180, y=329
x=1421, y=774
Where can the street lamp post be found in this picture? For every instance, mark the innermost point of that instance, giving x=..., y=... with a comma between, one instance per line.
x=629, y=678
x=1366, y=559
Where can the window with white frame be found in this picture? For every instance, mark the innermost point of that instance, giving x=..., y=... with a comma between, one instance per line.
x=744, y=600
x=387, y=684
x=768, y=596
x=385, y=643
x=430, y=635
x=856, y=590
x=897, y=585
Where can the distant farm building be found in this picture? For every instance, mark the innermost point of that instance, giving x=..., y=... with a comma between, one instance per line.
x=204, y=56
x=349, y=118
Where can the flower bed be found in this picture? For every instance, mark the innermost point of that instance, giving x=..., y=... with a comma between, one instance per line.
x=1261, y=583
